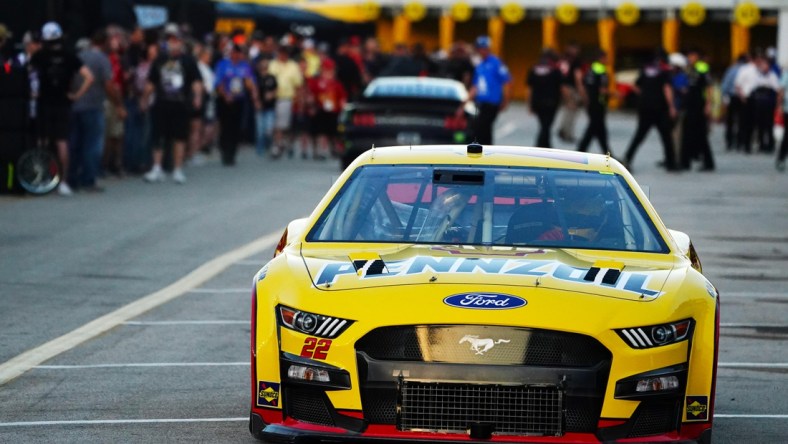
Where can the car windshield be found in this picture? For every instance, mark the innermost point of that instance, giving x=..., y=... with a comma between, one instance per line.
x=492, y=206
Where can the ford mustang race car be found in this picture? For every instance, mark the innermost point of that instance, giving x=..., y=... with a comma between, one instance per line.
x=483, y=294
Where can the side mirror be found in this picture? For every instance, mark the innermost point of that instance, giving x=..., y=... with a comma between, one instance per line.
x=686, y=248
x=293, y=230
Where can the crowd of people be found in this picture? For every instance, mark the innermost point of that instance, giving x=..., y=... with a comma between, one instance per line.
x=674, y=95
x=119, y=101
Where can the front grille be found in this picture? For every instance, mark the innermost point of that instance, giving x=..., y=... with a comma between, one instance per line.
x=654, y=419
x=449, y=407
x=489, y=345
x=309, y=406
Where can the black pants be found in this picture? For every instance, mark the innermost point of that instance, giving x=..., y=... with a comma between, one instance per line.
x=746, y=125
x=596, y=129
x=661, y=120
x=764, y=125
x=230, y=115
x=732, y=119
x=695, y=140
x=784, y=146
x=485, y=119
x=546, y=116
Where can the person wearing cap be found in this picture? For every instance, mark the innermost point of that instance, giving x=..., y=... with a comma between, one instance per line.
x=234, y=80
x=733, y=104
x=329, y=97
x=57, y=69
x=757, y=85
x=697, y=112
x=311, y=56
x=544, y=81
x=490, y=90
x=679, y=83
x=176, y=81
x=655, y=109
x=593, y=90
x=288, y=79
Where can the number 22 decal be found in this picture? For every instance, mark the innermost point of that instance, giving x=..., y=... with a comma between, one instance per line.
x=316, y=348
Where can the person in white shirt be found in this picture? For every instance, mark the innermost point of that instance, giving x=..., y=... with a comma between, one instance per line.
x=757, y=85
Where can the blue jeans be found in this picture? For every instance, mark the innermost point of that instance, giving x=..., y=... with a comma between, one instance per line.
x=136, y=153
x=86, y=146
x=264, y=128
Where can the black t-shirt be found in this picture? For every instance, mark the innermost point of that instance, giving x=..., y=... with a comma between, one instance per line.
x=173, y=78
x=266, y=88
x=348, y=74
x=594, y=81
x=695, y=98
x=56, y=69
x=652, y=81
x=568, y=67
x=545, y=83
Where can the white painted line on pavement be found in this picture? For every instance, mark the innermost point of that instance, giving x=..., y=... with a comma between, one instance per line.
x=506, y=130
x=725, y=415
x=18, y=365
x=220, y=290
x=750, y=325
x=752, y=365
x=117, y=421
x=143, y=364
x=185, y=322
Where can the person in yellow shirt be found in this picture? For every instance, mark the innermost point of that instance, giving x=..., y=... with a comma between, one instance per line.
x=288, y=79
x=312, y=58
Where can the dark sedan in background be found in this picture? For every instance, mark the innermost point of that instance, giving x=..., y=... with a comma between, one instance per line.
x=406, y=111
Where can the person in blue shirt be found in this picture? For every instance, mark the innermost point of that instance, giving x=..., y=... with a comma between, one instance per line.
x=490, y=91
x=234, y=79
x=733, y=103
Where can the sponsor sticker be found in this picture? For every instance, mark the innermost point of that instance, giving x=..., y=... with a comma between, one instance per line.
x=267, y=394
x=697, y=408
x=484, y=301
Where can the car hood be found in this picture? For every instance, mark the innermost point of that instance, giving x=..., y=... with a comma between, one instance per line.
x=622, y=275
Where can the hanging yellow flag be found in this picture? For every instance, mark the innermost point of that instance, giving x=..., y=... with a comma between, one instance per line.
x=461, y=11
x=747, y=14
x=693, y=13
x=627, y=13
x=414, y=11
x=567, y=13
x=512, y=13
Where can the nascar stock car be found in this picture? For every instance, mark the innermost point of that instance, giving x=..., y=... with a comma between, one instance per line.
x=483, y=294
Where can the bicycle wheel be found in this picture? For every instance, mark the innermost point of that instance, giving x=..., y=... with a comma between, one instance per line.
x=38, y=171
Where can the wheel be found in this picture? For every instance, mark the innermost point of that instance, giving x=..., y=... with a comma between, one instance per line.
x=38, y=171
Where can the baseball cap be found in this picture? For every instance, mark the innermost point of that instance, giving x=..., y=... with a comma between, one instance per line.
x=678, y=60
x=51, y=31
x=172, y=30
x=483, y=42
x=327, y=64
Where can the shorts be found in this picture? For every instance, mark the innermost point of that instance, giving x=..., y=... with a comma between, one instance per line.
x=170, y=121
x=284, y=114
x=54, y=120
x=302, y=123
x=115, y=125
x=325, y=124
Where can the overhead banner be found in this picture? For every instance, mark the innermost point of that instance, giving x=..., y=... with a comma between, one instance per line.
x=567, y=14
x=693, y=13
x=151, y=16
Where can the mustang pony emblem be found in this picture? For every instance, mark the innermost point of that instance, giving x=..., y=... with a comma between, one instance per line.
x=480, y=346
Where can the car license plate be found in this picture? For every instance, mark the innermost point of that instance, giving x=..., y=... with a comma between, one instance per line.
x=406, y=138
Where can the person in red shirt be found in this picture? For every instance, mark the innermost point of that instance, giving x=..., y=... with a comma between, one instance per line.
x=329, y=97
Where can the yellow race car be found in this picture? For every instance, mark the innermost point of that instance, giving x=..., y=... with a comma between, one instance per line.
x=483, y=294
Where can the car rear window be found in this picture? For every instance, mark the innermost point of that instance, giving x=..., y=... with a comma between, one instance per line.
x=495, y=206
x=414, y=89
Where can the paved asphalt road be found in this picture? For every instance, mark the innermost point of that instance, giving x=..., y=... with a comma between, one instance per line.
x=65, y=262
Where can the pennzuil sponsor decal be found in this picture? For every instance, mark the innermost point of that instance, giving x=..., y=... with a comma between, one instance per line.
x=484, y=301
x=632, y=282
x=697, y=408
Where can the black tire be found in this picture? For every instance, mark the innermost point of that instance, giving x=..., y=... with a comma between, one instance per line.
x=38, y=171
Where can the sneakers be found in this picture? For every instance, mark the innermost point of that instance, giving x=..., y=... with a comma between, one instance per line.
x=64, y=190
x=178, y=176
x=154, y=175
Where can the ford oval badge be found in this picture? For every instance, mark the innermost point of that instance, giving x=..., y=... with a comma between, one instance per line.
x=484, y=301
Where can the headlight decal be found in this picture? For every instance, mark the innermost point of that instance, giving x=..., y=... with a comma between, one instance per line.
x=656, y=335
x=311, y=323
